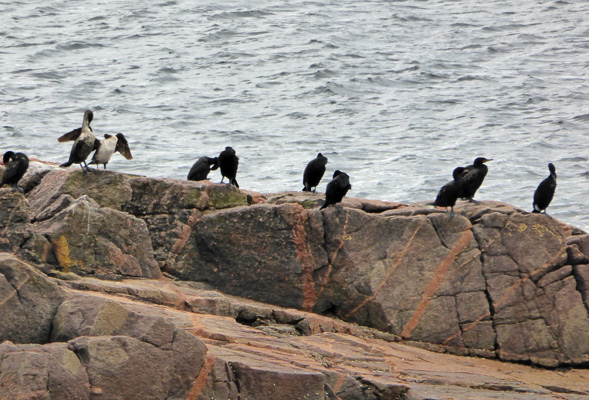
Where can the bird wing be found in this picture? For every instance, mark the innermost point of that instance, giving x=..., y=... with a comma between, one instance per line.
x=470, y=176
x=123, y=146
x=71, y=135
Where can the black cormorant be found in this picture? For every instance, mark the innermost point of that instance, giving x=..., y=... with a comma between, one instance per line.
x=84, y=142
x=313, y=173
x=337, y=188
x=16, y=166
x=201, y=168
x=228, y=162
x=450, y=192
x=545, y=191
x=473, y=178
x=108, y=146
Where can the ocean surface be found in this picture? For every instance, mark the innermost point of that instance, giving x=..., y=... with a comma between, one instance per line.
x=395, y=93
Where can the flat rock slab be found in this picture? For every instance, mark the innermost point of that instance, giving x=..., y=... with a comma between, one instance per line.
x=250, y=342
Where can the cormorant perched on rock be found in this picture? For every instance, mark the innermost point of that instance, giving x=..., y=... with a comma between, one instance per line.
x=314, y=172
x=16, y=166
x=229, y=162
x=545, y=191
x=105, y=149
x=84, y=142
x=201, y=168
x=450, y=192
x=337, y=188
x=473, y=178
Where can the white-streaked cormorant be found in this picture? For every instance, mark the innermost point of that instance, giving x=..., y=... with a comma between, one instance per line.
x=84, y=142
x=545, y=191
x=337, y=188
x=450, y=192
x=108, y=146
x=314, y=172
x=473, y=178
x=201, y=168
x=228, y=162
x=16, y=166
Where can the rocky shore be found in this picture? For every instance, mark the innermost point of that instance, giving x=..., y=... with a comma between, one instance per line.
x=115, y=286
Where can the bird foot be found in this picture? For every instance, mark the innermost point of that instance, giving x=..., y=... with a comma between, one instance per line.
x=474, y=201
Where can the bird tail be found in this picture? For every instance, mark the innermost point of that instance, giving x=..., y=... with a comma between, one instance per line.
x=324, y=205
x=536, y=211
x=305, y=189
x=66, y=164
x=234, y=182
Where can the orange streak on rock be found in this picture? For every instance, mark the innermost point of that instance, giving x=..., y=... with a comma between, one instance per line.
x=436, y=281
x=503, y=299
x=388, y=275
x=184, y=236
x=305, y=257
x=338, y=384
x=325, y=280
x=201, y=380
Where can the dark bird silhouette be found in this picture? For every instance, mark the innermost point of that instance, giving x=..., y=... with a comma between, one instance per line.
x=228, y=162
x=545, y=191
x=16, y=166
x=108, y=146
x=84, y=144
x=450, y=192
x=314, y=172
x=201, y=168
x=337, y=188
x=473, y=178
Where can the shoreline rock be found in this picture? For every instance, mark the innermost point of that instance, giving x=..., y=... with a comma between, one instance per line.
x=493, y=281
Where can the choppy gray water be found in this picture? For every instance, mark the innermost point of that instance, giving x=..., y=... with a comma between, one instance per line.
x=395, y=93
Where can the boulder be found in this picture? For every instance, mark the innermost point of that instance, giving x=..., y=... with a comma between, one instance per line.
x=42, y=372
x=127, y=345
x=28, y=302
x=466, y=282
x=265, y=252
x=87, y=239
x=15, y=226
x=133, y=194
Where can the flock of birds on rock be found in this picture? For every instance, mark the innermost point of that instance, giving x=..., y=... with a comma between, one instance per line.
x=466, y=180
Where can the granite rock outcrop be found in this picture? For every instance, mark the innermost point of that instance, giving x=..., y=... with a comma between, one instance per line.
x=236, y=294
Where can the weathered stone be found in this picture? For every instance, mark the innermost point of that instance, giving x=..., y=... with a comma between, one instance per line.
x=581, y=273
x=119, y=243
x=28, y=302
x=575, y=256
x=85, y=315
x=226, y=247
x=15, y=227
x=121, y=367
x=107, y=188
x=48, y=372
x=581, y=241
x=311, y=200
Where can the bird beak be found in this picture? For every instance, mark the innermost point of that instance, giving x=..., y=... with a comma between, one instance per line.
x=487, y=160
